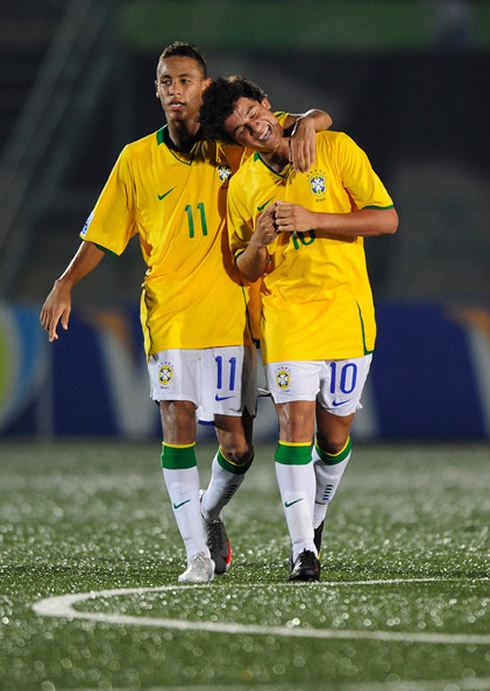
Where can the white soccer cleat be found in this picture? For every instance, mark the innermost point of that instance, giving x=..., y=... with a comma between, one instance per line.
x=200, y=569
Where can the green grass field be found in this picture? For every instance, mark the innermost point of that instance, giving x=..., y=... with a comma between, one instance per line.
x=404, y=601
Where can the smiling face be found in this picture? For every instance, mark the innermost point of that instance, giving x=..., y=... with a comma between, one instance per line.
x=180, y=84
x=253, y=124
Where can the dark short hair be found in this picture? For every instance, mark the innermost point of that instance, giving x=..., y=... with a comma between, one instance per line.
x=186, y=50
x=218, y=103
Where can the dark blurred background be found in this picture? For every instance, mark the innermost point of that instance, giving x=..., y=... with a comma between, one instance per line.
x=408, y=80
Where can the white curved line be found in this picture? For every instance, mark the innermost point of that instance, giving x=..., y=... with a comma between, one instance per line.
x=62, y=606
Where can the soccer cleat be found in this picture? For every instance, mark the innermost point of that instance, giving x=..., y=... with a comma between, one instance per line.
x=317, y=538
x=218, y=543
x=305, y=568
x=200, y=569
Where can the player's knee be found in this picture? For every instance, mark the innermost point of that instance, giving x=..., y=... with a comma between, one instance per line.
x=333, y=444
x=239, y=452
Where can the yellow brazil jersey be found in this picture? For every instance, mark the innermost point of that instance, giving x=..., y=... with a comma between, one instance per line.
x=253, y=290
x=316, y=299
x=192, y=294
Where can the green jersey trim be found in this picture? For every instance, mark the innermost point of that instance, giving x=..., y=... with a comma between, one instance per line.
x=104, y=249
x=247, y=313
x=383, y=208
x=161, y=140
x=366, y=351
x=283, y=176
x=237, y=254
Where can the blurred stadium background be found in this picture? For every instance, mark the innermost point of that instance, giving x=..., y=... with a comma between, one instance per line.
x=407, y=80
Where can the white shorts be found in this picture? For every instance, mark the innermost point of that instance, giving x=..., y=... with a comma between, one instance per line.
x=221, y=381
x=336, y=384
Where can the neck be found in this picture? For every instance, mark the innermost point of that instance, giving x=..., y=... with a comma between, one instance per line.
x=279, y=158
x=183, y=134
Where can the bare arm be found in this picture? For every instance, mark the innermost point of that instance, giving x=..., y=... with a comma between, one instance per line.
x=285, y=217
x=58, y=303
x=252, y=263
x=366, y=222
x=302, y=128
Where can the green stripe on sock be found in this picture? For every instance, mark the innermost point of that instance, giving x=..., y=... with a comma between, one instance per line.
x=177, y=457
x=334, y=458
x=293, y=454
x=234, y=468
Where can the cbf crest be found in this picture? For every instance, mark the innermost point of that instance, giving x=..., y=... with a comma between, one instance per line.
x=282, y=376
x=166, y=373
x=224, y=172
x=317, y=180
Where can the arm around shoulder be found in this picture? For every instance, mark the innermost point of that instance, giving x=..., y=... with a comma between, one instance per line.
x=319, y=119
x=302, y=130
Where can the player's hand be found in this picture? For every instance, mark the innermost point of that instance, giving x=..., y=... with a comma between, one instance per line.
x=56, y=306
x=290, y=217
x=266, y=227
x=302, y=145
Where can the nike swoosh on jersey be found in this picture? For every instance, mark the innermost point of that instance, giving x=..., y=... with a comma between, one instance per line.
x=162, y=196
x=262, y=206
x=287, y=504
x=336, y=404
x=177, y=506
x=222, y=398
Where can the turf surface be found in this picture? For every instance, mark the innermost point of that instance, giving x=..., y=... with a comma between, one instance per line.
x=81, y=517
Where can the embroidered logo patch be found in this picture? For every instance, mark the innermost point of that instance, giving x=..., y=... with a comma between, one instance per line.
x=283, y=378
x=224, y=172
x=165, y=374
x=318, y=182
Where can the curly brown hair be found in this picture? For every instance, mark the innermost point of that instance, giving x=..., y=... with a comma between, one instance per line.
x=218, y=103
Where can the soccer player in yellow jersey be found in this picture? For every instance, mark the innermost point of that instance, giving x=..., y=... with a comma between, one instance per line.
x=170, y=189
x=303, y=233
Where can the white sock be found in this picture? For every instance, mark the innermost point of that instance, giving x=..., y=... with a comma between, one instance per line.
x=328, y=477
x=222, y=486
x=183, y=489
x=297, y=489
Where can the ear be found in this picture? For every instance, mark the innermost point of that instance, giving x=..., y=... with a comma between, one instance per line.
x=266, y=104
x=156, y=89
x=205, y=84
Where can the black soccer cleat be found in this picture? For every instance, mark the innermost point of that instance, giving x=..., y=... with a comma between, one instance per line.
x=317, y=537
x=218, y=544
x=305, y=568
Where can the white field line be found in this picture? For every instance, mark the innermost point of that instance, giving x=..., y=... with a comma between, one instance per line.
x=467, y=684
x=63, y=606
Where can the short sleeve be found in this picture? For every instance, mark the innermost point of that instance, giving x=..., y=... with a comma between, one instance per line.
x=112, y=222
